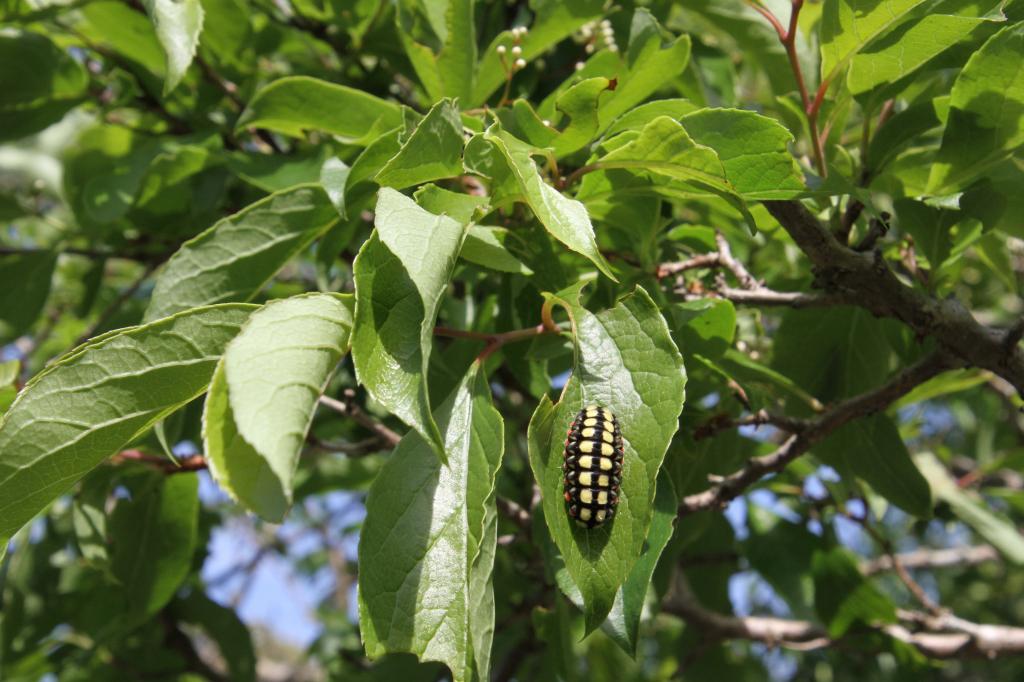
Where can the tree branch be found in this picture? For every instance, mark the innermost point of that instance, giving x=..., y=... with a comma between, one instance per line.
x=933, y=558
x=731, y=486
x=942, y=637
x=349, y=408
x=866, y=280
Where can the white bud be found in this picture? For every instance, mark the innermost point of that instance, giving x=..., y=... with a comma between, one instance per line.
x=520, y=63
x=501, y=49
x=608, y=31
x=517, y=51
x=589, y=48
x=546, y=122
x=579, y=66
x=606, y=24
x=613, y=48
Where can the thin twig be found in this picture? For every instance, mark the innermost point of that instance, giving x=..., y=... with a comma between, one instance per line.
x=349, y=408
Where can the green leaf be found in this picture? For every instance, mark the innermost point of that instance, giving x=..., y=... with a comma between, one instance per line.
x=178, y=24
x=627, y=362
x=849, y=353
x=98, y=398
x=664, y=151
x=566, y=219
x=275, y=172
x=753, y=149
x=401, y=273
x=580, y=104
x=914, y=42
x=872, y=449
x=638, y=117
x=848, y=25
x=426, y=550
x=703, y=327
x=902, y=130
x=222, y=625
x=986, y=116
x=433, y=151
x=486, y=246
x=89, y=516
x=258, y=411
x=462, y=207
x=296, y=104
x=8, y=383
x=972, y=509
x=334, y=179
x=623, y=623
x=450, y=72
x=40, y=82
x=235, y=257
x=652, y=60
x=947, y=383
x=24, y=287
x=153, y=537
x=553, y=21
x=843, y=597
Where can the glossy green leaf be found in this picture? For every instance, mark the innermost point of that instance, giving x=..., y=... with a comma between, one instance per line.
x=462, y=207
x=916, y=41
x=40, y=83
x=972, y=509
x=871, y=448
x=153, y=536
x=566, y=219
x=235, y=257
x=704, y=327
x=334, y=179
x=847, y=26
x=986, y=115
x=486, y=246
x=753, y=149
x=265, y=392
x=638, y=117
x=24, y=287
x=433, y=151
x=426, y=550
x=625, y=361
x=296, y=104
x=98, y=398
x=843, y=597
x=178, y=24
x=451, y=71
x=663, y=151
x=400, y=275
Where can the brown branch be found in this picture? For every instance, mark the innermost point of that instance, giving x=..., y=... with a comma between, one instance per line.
x=348, y=408
x=724, y=422
x=729, y=487
x=866, y=280
x=925, y=558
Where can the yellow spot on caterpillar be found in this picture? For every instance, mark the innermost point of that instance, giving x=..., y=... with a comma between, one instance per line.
x=586, y=462
x=593, y=413
x=590, y=422
x=585, y=514
x=601, y=514
x=602, y=480
x=585, y=478
x=588, y=433
x=605, y=464
x=606, y=450
x=607, y=436
x=602, y=497
x=586, y=446
x=586, y=496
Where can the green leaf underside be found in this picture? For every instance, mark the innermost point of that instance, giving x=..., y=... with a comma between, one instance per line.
x=432, y=152
x=871, y=448
x=972, y=509
x=98, y=398
x=627, y=362
x=154, y=537
x=296, y=104
x=986, y=115
x=178, y=24
x=400, y=275
x=843, y=597
x=847, y=26
x=451, y=72
x=24, y=287
x=264, y=394
x=426, y=551
x=566, y=219
x=235, y=257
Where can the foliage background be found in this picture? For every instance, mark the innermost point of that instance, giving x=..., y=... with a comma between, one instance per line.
x=258, y=257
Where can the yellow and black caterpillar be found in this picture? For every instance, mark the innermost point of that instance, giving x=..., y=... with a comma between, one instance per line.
x=593, y=466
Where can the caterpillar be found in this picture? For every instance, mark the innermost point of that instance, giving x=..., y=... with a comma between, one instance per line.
x=592, y=464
